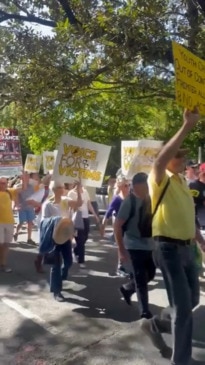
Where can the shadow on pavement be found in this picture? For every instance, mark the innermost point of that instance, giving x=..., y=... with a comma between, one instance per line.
x=99, y=296
x=97, y=299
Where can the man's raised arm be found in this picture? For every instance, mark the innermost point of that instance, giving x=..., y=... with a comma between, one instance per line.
x=169, y=151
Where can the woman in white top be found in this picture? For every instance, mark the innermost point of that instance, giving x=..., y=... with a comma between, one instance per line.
x=82, y=234
x=59, y=205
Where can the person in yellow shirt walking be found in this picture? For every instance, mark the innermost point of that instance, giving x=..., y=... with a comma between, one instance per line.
x=174, y=228
x=7, y=196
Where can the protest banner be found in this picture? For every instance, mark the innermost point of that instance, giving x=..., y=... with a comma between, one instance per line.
x=33, y=163
x=10, y=153
x=128, y=149
x=81, y=159
x=190, y=78
x=49, y=160
x=138, y=156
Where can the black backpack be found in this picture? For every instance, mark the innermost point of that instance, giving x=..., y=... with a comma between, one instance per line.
x=131, y=214
x=145, y=213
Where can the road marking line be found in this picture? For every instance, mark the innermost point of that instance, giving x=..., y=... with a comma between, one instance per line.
x=33, y=317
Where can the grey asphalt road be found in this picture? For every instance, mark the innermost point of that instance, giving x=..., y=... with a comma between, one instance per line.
x=93, y=327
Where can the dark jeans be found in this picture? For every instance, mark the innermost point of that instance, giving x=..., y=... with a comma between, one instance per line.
x=81, y=239
x=58, y=273
x=144, y=271
x=181, y=280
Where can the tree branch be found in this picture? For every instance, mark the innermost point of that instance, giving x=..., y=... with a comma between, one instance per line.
x=69, y=13
x=193, y=19
x=21, y=8
x=202, y=5
x=30, y=18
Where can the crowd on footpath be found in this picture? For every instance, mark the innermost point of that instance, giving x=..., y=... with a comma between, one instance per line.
x=158, y=222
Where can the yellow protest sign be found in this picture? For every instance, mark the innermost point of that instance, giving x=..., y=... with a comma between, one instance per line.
x=138, y=156
x=190, y=78
x=33, y=163
x=49, y=160
x=81, y=159
x=128, y=150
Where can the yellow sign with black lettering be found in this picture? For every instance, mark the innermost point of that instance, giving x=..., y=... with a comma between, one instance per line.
x=190, y=78
x=33, y=163
x=81, y=159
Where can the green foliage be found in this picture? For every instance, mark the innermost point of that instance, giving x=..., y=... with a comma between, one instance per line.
x=103, y=72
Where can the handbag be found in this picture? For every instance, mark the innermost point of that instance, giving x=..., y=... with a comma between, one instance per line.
x=51, y=258
x=78, y=220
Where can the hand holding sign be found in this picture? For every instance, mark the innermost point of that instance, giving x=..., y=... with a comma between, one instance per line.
x=191, y=118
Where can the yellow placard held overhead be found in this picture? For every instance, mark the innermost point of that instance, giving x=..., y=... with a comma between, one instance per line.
x=190, y=78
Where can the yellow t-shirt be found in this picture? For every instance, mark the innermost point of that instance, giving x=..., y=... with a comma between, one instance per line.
x=175, y=217
x=6, y=213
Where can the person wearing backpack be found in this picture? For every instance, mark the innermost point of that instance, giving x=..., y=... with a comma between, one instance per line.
x=132, y=246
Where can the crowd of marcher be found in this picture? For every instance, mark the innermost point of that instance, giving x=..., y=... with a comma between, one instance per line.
x=157, y=223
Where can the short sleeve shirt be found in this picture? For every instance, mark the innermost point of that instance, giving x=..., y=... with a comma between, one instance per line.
x=175, y=217
x=132, y=238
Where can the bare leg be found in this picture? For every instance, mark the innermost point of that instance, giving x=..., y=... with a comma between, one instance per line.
x=19, y=226
x=29, y=230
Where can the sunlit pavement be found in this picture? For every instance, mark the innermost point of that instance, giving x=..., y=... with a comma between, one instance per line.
x=93, y=327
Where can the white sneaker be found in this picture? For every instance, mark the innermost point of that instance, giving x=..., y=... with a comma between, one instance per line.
x=82, y=266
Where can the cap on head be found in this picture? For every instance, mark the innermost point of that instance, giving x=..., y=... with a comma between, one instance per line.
x=139, y=178
x=192, y=164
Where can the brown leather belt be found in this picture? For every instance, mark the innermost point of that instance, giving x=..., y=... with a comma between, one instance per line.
x=172, y=240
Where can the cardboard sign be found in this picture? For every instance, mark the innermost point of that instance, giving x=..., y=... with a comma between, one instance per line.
x=128, y=150
x=81, y=159
x=33, y=163
x=190, y=78
x=138, y=156
x=49, y=160
x=10, y=153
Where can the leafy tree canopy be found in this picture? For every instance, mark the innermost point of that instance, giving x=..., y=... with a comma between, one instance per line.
x=101, y=66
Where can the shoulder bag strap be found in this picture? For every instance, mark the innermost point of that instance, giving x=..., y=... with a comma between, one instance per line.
x=161, y=197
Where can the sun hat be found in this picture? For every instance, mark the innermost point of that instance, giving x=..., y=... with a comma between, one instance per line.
x=63, y=231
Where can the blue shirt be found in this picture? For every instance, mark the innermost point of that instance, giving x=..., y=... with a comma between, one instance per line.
x=114, y=206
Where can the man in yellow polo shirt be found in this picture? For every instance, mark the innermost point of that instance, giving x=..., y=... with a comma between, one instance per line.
x=173, y=230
